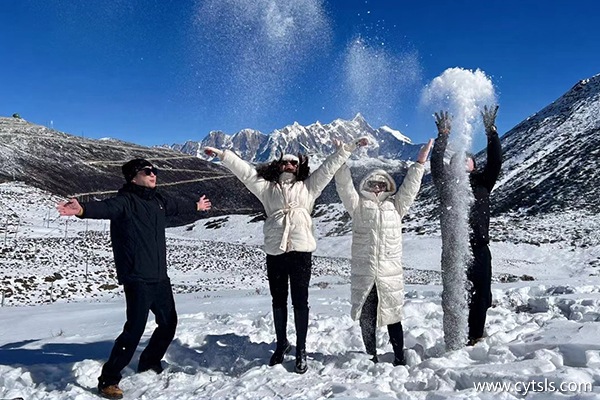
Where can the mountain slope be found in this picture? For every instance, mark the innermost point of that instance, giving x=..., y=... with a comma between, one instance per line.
x=551, y=159
x=70, y=165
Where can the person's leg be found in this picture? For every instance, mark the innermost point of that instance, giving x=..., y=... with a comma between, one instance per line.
x=397, y=340
x=480, y=275
x=300, y=271
x=163, y=307
x=136, y=298
x=278, y=284
x=368, y=323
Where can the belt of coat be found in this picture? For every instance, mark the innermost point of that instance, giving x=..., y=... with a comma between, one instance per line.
x=285, y=213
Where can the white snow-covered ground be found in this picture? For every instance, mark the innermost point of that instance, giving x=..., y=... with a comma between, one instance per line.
x=542, y=335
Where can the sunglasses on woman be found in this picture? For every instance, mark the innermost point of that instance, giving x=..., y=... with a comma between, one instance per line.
x=377, y=185
x=292, y=162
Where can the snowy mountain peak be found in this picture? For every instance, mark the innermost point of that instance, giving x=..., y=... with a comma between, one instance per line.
x=396, y=134
x=315, y=139
x=359, y=118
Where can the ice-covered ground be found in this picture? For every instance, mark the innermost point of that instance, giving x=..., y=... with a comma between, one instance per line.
x=542, y=335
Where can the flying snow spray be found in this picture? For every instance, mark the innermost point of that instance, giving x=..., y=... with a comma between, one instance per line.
x=376, y=79
x=463, y=93
x=260, y=46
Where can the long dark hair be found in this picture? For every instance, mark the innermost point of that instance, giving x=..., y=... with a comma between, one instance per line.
x=270, y=171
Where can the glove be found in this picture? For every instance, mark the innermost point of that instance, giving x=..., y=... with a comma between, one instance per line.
x=443, y=121
x=489, y=119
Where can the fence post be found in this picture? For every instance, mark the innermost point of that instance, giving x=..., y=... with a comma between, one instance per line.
x=5, y=231
x=17, y=230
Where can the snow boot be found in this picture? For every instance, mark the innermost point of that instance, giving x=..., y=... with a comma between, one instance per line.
x=301, y=365
x=283, y=346
x=399, y=361
x=301, y=321
x=397, y=340
x=110, y=391
x=279, y=354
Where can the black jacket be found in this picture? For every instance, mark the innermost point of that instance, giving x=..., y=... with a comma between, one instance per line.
x=482, y=183
x=137, y=230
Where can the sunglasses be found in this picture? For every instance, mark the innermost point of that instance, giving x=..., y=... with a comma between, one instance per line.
x=376, y=185
x=292, y=162
x=149, y=170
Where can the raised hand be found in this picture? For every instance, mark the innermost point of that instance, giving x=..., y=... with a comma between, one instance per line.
x=443, y=121
x=203, y=204
x=424, y=152
x=69, y=208
x=213, y=152
x=362, y=141
x=489, y=119
x=337, y=143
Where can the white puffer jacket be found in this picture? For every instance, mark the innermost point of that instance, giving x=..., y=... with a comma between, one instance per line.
x=377, y=240
x=288, y=203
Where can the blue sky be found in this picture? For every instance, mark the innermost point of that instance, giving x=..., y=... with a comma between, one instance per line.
x=160, y=71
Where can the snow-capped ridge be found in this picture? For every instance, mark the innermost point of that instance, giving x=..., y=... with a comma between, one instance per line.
x=315, y=139
x=397, y=134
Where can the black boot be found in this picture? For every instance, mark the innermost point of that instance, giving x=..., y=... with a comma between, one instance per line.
x=301, y=365
x=283, y=346
x=301, y=321
x=279, y=354
x=397, y=340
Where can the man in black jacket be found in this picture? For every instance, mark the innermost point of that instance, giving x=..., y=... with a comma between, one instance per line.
x=481, y=182
x=137, y=230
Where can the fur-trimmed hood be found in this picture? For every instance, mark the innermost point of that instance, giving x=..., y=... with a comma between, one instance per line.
x=377, y=175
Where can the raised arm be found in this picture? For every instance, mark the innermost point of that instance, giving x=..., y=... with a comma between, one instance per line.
x=491, y=171
x=173, y=207
x=412, y=181
x=345, y=189
x=105, y=209
x=317, y=181
x=245, y=172
x=438, y=171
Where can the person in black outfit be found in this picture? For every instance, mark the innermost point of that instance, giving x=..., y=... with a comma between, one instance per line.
x=137, y=230
x=482, y=181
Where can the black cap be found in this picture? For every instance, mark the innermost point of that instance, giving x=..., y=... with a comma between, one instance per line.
x=131, y=168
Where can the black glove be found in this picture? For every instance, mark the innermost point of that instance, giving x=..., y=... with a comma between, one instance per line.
x=443, y=121
x=489, y=119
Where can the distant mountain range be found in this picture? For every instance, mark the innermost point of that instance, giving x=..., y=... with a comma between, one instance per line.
x=550, y=159
x=315, y=139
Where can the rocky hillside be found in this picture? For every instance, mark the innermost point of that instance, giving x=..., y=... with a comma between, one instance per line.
x=69, y=165
x=551, y=159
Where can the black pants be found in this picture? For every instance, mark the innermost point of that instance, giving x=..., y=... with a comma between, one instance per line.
x=368, y=325
x=293, y=266
x=296, y=267
x=141, y=298
x=480, y=275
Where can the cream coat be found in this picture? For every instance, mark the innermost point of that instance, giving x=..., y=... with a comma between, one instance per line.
x=288, y=203
x=377, y=240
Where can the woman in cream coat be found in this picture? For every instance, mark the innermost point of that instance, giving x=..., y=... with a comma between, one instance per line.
x=288, y=193
x=377, y=279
